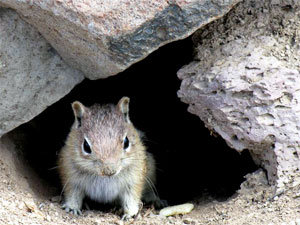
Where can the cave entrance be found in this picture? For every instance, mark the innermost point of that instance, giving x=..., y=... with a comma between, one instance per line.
x=189, y=160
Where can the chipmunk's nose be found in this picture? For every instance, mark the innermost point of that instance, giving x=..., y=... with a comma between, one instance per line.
x=109, y=171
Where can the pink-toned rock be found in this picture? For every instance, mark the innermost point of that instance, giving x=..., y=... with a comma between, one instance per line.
x=245, y=85
x=104, y=37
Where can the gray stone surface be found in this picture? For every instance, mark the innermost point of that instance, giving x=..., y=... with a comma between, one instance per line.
x=32, y=74
x=104, y=37
x=245, y=84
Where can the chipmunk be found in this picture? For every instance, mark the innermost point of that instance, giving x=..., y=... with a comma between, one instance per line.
x=104, y=158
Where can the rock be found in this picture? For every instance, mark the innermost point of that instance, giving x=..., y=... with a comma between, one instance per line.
x=255, y=188
x=32, y=75
x=245, y=85
x=55, y=198
x=104, y=37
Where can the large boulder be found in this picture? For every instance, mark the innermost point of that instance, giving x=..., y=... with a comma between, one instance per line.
x=32, y=75
x=104, y=37
x=245, y=84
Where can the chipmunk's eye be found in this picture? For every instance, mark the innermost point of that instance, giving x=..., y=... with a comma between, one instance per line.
x=125, y=143
x=86, y=147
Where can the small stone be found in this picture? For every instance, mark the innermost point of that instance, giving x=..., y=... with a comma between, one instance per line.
x=121, y=222
x=21, y=205
x=188, y=221
x=97, y=222
x=48, y=218
x=41, y=206
x=297, y=195
x=151, y=215
x=275, y=2
x=55, y=199
x=30, y=205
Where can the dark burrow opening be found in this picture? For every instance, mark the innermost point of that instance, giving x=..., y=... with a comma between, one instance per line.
x=190, y=161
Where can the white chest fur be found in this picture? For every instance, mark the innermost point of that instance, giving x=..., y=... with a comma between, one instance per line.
x=103, y=189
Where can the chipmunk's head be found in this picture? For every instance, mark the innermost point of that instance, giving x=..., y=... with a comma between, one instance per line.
x=106, y=139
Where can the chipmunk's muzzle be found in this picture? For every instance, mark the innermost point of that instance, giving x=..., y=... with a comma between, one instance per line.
x=109, y=170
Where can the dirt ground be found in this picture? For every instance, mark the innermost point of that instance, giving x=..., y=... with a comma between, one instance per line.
x=25, y=199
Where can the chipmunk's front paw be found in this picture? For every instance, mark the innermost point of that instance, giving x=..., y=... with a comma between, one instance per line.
x=73, y=210
x=131, y=211
x=126, y=217
x=130, y=215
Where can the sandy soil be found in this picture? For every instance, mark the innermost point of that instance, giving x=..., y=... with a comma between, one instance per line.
x=25, y=199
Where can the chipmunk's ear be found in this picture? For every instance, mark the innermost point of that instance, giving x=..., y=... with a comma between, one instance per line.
x=123, y=107
x=78, y=109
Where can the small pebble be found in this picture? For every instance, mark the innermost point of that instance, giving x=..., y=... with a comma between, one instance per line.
x=21, y=205
x=97, y=222
x=151, y=215
x=121, y=222
x=48, y=218
x=297, y=195
x=188, y=221
x=55, y=199
x=41, y=206
x=30, y=205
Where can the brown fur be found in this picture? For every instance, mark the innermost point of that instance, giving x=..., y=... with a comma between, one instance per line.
x=105, y=128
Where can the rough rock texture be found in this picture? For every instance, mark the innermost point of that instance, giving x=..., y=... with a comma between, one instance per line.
x=32, y=75
x=104, y=37
x=245, y=84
